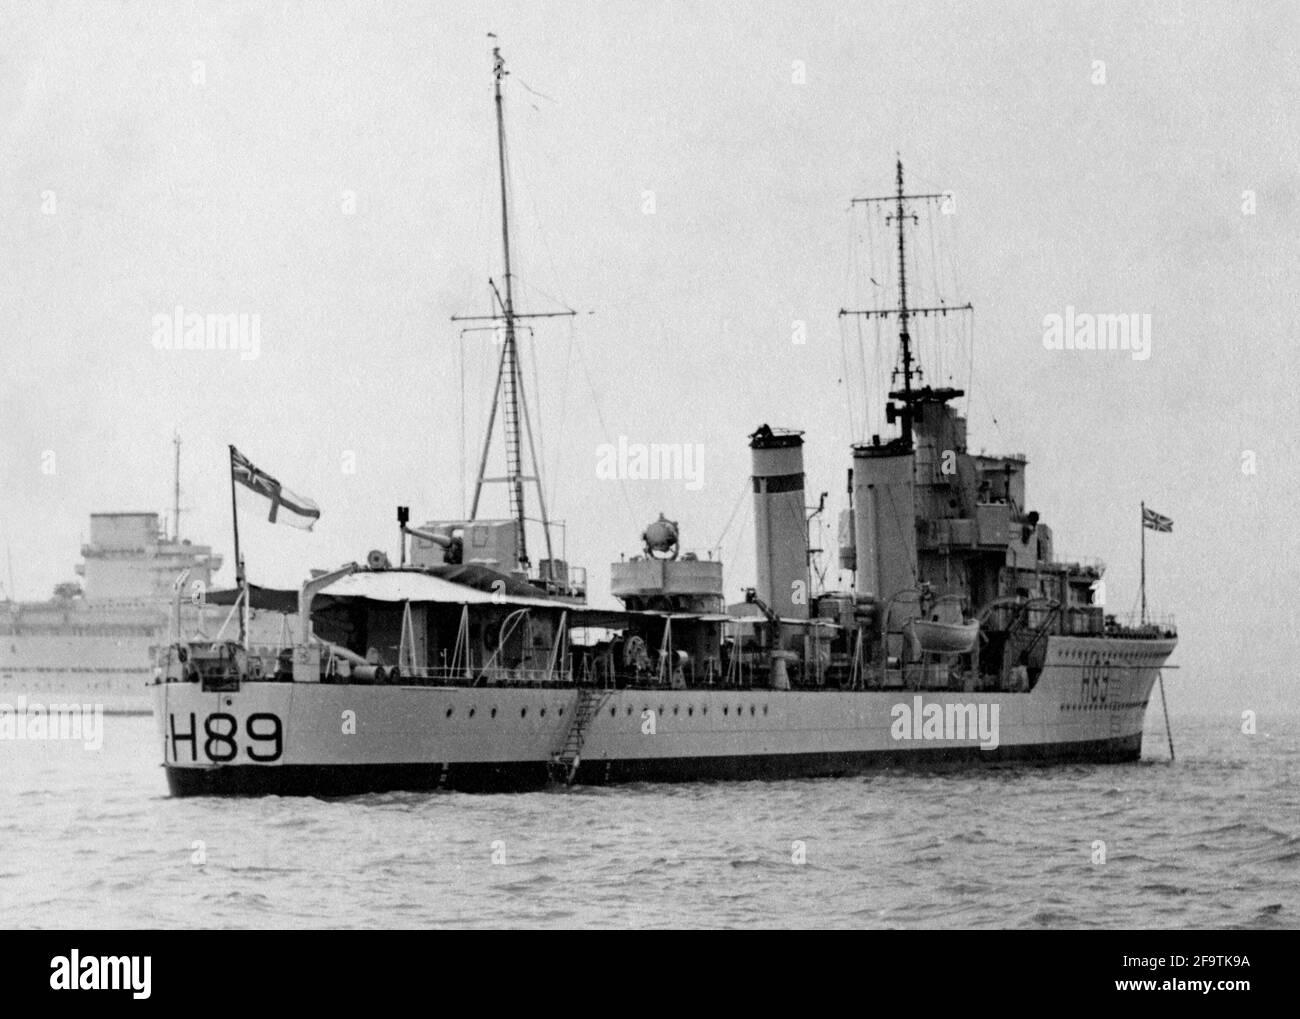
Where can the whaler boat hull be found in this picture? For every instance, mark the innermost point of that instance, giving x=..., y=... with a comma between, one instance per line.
x=943, y=638
x=330, y=739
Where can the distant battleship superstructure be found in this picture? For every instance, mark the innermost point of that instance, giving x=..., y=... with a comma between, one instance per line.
x=99, y=645
x=962, y=640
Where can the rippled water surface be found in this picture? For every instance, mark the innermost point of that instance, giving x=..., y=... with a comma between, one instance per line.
x=91, y=839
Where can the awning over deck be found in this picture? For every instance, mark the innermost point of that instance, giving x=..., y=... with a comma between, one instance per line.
x=414, y=586
x=270, y=599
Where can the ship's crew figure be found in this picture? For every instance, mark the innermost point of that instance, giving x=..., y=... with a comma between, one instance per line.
x=189, y=669
x=1019, y=679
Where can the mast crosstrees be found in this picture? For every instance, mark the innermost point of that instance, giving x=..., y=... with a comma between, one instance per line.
x=911, y=367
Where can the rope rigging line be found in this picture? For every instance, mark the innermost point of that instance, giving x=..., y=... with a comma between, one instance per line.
x=564, y=411
x=537, y=401
x=898, y=522
x=739, y=539
x=844, y=344
x=936, y=296
x=595, y=404
x=744, y=489
x=547, y=468
x=970, y=371
x=871, y=378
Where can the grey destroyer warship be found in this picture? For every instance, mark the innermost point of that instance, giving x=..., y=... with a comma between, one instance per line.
x=963, y=639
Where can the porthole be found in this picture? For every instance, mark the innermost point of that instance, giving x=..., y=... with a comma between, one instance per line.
x=612, y=712
x=471, y=712
x=523, y=712
x=494, y=712
x=704, y=710
x=690, y=709
x=543, y=712
x=629, y=709
x=751, y=709
x=765, y=709
x=724, y=709
x=676, y=708
x=449, y=712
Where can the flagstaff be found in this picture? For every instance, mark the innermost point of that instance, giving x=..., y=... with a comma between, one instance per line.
x=299, y=511
x=1156, y=522
x=239, y=562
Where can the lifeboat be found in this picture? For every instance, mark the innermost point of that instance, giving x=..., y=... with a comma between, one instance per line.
x=943, y=638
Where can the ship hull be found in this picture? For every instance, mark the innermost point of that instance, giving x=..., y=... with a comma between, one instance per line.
x=337, y=739
x=328, y=780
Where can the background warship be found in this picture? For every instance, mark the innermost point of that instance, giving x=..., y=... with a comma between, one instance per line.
x=962, y=639
x=96, y=643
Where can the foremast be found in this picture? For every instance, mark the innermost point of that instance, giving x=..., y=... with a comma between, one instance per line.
x=910, y=369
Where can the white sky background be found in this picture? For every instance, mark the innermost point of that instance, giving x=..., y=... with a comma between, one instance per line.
x=227, y=197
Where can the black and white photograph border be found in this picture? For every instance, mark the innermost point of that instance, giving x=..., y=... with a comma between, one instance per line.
x=567, y=465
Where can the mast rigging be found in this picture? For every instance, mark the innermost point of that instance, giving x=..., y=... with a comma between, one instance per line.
x=910, y=367
x=509, y=393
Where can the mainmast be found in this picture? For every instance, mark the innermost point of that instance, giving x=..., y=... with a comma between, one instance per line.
x=905, y=313
x=509, y=382
x=509, y=353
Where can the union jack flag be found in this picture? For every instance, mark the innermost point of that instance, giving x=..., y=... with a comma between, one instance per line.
x=1155, y=522
x=303, y=512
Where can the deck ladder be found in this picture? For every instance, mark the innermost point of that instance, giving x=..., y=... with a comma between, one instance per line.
x=564, y=764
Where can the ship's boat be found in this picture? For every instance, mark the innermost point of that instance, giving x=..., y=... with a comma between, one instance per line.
x=933, y=637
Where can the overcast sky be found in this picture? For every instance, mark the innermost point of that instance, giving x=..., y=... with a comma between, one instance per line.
x=681, y=175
